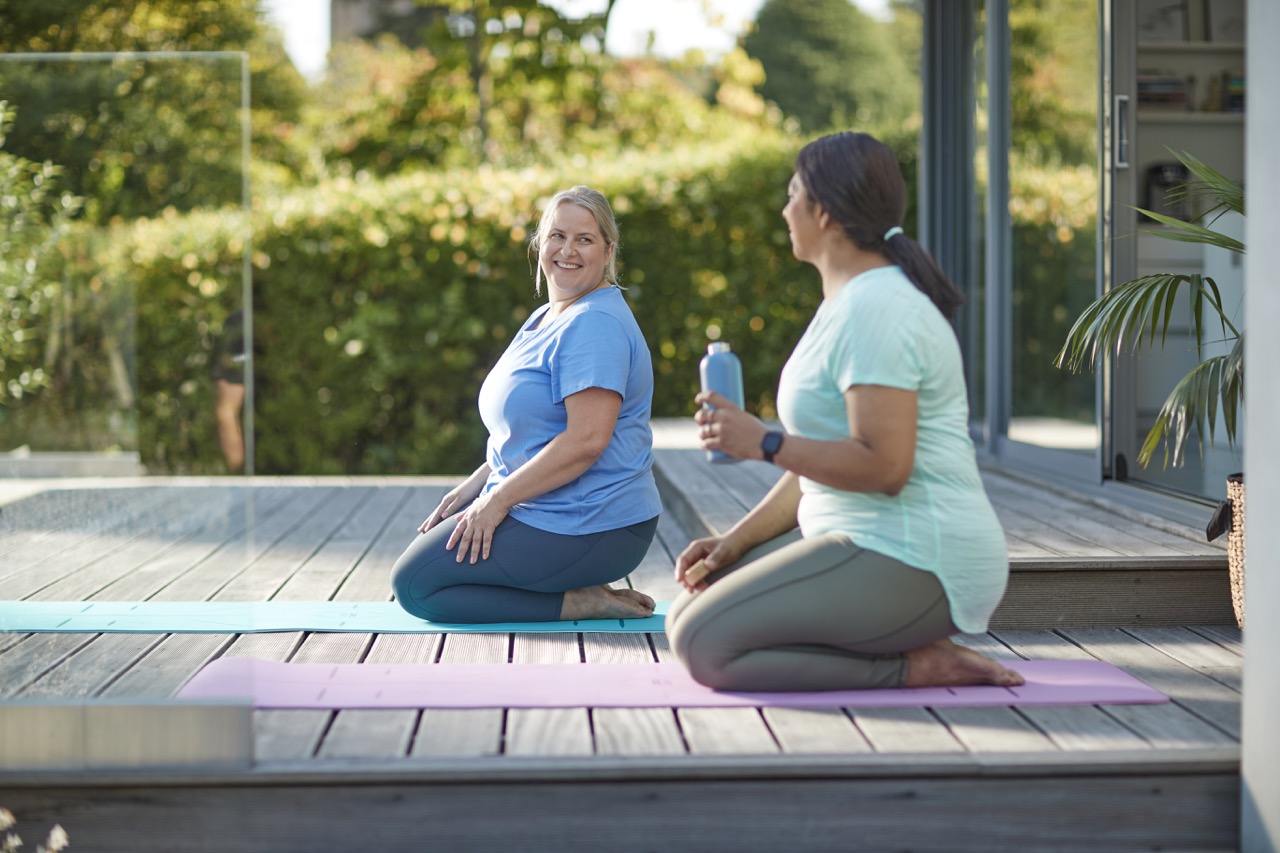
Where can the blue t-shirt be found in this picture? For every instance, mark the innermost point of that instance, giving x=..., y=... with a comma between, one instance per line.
x=594, y=343
x=881, y=330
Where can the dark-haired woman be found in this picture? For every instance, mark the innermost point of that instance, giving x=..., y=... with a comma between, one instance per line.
x=878, y=543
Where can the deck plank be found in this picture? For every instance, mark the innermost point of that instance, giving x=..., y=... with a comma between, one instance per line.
x=1071, y=728
x=69, y=541
x=92, y=667
x=168, y=531
x=108, y=542
x=1091, y=521
x=464, y=732
x=906, y=730
x=370, y=580
x=227, y=531
x=381, y=733
x=1210, y=700
x=989, y=730
x=1165, y=726
x=1187, y=646
x=265, y=577
x=168, y=666
x=351, y=539
x=296, y=735
x=38, y=514
x=209, y=578
x=704, y=503
x=630, y=731
x=27, y=662
x=1050, y=535
x=1228, y=636
x=815, y=731
x=548, y=731
x=726, y=731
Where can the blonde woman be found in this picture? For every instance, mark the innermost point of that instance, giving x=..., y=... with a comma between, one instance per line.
x=565, y=502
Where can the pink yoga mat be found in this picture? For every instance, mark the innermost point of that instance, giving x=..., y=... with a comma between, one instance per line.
x=270, y=684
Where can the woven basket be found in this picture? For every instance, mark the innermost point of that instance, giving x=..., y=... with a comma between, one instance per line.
x=1235, y=545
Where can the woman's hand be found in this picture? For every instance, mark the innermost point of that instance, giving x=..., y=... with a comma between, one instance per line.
x=458, y=498
x=727, y=428
x=702, y=557
x=474, y=531
x=453, y=503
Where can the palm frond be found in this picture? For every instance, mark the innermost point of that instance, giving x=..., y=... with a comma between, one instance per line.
x=1143, y=306
x=1192, y=406
x=1190, y=232
x=1209, y=184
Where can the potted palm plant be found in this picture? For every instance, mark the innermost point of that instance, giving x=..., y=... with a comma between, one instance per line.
x=1142, y=309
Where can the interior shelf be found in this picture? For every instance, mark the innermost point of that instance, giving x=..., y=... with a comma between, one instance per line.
x=1189, y=117
x=1192, y=47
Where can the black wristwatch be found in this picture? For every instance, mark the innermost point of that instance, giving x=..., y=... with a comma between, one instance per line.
x=771, y=444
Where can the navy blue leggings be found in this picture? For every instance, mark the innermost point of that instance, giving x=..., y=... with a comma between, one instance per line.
x=525, y=578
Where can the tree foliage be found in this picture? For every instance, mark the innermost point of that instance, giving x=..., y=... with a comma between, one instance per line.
x=389, y=109
x=828, y=64
x=1054, y=85
x=33, y=218
x=137, y=134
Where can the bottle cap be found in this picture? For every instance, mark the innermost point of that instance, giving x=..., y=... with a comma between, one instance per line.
x=718, y=346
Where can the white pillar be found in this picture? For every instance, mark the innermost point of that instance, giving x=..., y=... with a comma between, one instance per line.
x=1260, y=759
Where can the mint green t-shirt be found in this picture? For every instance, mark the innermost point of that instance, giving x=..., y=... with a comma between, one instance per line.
x=881, y=330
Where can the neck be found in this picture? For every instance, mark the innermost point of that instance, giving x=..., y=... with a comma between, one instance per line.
x=558, y=305
x=841, y=261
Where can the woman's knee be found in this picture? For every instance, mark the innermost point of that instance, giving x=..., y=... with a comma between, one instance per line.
x=696, y=648
x=411, y=574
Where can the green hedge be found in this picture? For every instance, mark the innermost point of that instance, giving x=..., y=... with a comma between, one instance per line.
x=380, y=305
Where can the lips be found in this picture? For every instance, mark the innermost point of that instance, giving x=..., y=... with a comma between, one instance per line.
x=565, y=265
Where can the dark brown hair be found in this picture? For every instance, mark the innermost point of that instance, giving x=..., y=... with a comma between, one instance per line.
x=856, y=180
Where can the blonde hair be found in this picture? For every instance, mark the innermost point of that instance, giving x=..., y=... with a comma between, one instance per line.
x=598, y=206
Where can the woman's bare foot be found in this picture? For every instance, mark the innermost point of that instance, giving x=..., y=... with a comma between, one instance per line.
x=944, y=664
x=601, y=602
x=634, y=595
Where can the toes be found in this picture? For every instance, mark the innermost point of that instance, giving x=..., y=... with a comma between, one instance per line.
x=634, y=595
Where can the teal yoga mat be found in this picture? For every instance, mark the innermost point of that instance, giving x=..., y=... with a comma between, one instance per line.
x=251, y=617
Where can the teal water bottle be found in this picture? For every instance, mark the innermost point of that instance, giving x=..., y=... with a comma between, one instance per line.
x=721, y=372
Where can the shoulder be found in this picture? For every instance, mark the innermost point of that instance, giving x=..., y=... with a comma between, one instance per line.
x=882, y=296
x=604, y=310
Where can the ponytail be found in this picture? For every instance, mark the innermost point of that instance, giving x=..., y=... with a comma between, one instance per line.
x=924, y=272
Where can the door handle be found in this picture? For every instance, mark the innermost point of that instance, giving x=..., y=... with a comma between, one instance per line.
x=1122, y=132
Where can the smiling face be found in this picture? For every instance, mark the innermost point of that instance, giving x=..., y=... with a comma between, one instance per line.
x=574, y=254
x=801, y=216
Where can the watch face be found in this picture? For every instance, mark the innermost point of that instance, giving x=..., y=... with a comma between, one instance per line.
x=771, y=444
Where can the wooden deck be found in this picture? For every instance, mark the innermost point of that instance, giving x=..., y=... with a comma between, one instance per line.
x=1087, y=583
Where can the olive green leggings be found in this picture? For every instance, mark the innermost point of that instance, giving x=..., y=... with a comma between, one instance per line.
x=808, y=614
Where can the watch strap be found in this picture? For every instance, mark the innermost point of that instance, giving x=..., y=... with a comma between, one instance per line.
x=771, y=444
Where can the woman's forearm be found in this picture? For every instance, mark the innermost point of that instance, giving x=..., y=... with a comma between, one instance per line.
x=478, y=477
x=848, y=464
x=773, y=516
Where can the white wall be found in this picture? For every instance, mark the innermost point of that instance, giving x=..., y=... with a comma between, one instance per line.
x=1260, y=829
